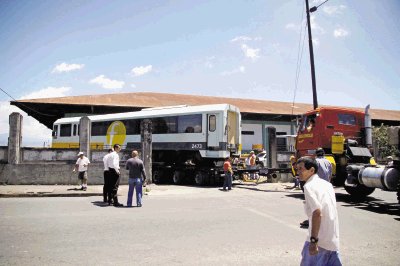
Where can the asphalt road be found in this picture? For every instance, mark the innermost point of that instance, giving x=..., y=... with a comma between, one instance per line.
x=251, y=225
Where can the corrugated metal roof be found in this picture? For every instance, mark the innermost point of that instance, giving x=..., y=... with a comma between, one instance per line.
x=154, y=99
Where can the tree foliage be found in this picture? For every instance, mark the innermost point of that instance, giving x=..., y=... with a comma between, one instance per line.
x=381, y=139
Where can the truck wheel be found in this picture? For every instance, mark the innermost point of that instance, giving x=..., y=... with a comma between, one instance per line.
x=200, y=178
x=178, y=177
x=359, y=191
x=398, y=191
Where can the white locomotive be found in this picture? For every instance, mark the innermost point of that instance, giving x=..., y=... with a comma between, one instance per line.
x=185, y=139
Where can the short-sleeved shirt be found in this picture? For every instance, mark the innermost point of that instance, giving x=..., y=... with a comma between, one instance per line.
x=320, y=194
x=81, y=162
x=135, y=167
x=324, y=168
x=227, y=166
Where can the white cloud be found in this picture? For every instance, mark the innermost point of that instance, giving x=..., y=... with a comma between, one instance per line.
x=245, y=39
x=133, y=86
x=107, y=83
x=240, y=69
x=141, y=70
x=33, y=133
x=241, y=39
x=315, y=26
x=331, y=10
x=292, y=26
x=64, y=67
x=340, y=33
x=315, y=41
x=250, y=52
x=48, y=92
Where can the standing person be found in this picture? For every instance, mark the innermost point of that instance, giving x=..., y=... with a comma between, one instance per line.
x=106, y=178
x=324, y=165
x=322, y=244
x=114, y=175
x=324, y=172
x=251, y=163
x=228, y=174
x=136, y=172
x=81, y=166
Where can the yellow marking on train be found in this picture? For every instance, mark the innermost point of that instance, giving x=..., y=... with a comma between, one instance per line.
x=116, y=133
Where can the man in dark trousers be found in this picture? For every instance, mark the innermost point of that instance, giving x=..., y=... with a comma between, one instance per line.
x=114, y=175
x=106, y=186
x=136, y=172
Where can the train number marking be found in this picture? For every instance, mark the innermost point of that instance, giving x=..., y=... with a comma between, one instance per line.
x=197, y=146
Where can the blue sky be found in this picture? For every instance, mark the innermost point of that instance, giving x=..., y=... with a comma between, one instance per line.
x=244, y=49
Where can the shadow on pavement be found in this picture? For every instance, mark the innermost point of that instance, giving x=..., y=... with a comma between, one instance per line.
x=370, y=204
x=254, y=187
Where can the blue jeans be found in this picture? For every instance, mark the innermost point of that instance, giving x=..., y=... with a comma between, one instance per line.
x=227, y=180
x=135, y=183
x=323, y=258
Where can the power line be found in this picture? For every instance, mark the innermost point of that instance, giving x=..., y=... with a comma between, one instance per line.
x=299, y=59
x=26, y=105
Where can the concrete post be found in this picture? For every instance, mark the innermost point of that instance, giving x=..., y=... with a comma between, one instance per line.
x=15, y=138
x=146, y=139
x=272, y=143
x=84, y=136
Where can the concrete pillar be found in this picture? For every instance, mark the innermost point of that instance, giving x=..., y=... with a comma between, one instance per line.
x=146, y=139
x=272, y=147
x=84, y=136
x=15, y=138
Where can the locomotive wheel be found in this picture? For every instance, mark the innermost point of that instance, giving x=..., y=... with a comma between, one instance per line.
x=157, y=176
x=200, y=178
x=178, y=177
x=359, y=191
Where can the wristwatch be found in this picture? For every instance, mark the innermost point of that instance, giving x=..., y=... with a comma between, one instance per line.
x=313, y=239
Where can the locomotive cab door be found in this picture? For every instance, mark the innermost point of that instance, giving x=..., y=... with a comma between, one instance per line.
x=212, y=130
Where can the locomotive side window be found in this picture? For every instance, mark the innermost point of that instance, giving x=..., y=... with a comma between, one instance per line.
x=75, y=130
x=55, y=131
x=65, y=130
x=163, y=125
x=100, y=128
x=347, y=119
x=189, y=123
x=132, y=126
x=212, y=123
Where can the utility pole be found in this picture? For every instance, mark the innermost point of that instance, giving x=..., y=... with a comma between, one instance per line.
x=314, y=86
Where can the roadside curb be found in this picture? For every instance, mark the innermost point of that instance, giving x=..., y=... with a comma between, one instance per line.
x=42, y=195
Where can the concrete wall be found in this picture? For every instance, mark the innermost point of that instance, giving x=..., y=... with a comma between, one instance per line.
x=3, y=154
x=42, y=166
x=51, y=174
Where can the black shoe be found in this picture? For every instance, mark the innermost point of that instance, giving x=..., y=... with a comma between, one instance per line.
x=118, y=204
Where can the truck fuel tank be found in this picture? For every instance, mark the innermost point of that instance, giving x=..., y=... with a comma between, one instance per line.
x=385, y=178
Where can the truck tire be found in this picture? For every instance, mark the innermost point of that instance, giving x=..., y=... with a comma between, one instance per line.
x=178, y=177
x=398, y=192
x=359, y=192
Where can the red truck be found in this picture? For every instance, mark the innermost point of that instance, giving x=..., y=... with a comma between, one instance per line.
x=346, y=137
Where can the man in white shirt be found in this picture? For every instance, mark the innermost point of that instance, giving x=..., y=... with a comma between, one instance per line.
x=322, y=244
x=114, y=175
x=82, y=166
x=106, y=178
